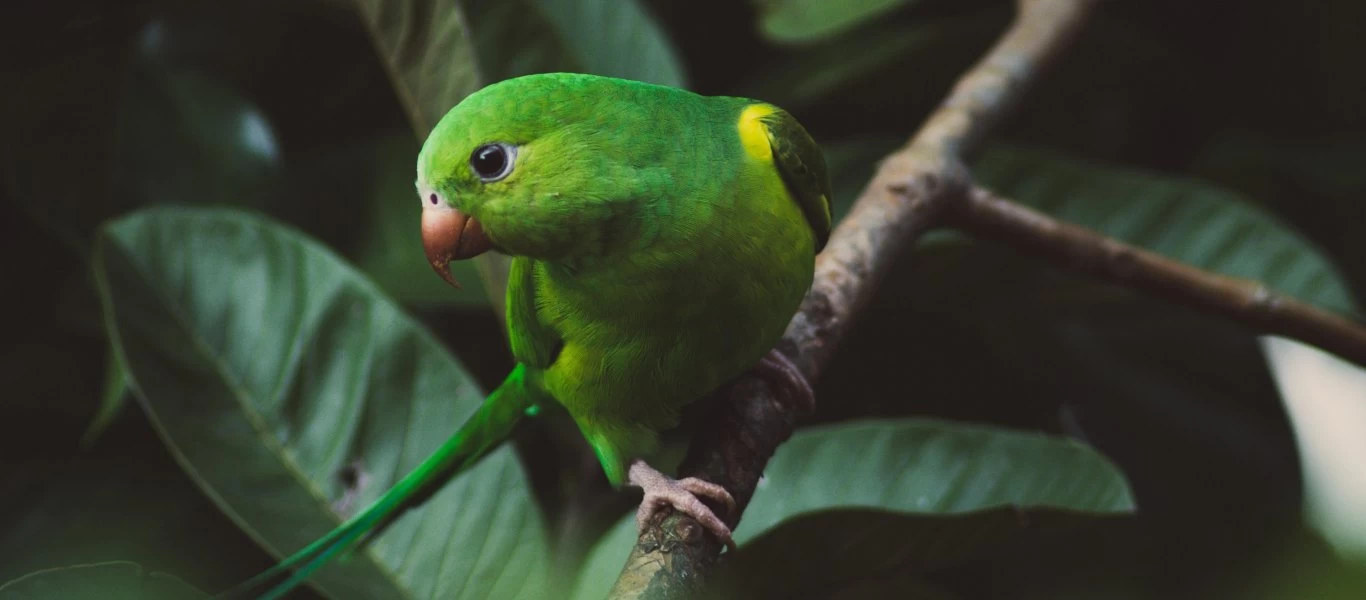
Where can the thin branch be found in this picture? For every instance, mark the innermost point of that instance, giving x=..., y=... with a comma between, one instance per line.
x=903, y=200
x=986, y=215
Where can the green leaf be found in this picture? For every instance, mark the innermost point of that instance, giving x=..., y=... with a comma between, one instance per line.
x=814, y=553
x=616, y=38
x=930, y=467
x=1184, y=219
x=275, y=372
x=909, y=465
x=106, y=581
x=795, y=21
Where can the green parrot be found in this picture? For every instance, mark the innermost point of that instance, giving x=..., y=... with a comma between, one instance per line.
x=661, y=242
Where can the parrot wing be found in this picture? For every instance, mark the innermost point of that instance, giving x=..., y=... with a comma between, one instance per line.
x=802, y=167
x=533, y=343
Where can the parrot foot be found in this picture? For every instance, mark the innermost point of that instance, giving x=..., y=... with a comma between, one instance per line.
x=778, y=371
x=661, y=491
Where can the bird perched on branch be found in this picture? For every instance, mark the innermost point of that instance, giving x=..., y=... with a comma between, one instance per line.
x=661, y=242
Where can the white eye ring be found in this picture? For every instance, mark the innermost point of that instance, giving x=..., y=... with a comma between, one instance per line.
x=493, y=161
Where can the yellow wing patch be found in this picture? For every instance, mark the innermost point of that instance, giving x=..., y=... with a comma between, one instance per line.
x=753, y=134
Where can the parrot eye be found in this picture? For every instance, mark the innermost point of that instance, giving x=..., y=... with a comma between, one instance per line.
x=492, y=162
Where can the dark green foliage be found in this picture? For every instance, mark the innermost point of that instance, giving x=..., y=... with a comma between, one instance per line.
x=210, y=231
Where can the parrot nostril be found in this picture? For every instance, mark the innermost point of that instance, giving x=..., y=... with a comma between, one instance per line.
x=432, y=198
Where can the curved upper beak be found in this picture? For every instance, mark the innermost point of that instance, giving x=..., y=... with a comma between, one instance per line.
x=447, y=235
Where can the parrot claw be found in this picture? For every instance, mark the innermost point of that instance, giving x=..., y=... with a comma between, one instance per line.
x=778, y=371
x=682, y=495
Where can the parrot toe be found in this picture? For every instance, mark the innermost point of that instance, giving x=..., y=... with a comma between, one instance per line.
x=681, y=495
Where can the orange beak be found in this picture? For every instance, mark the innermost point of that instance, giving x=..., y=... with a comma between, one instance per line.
x=447, y=235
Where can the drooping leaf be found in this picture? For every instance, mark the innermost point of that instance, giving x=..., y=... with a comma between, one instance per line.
x=915, y=466
x=294, y=393
x=107, y=581
x=616, y=38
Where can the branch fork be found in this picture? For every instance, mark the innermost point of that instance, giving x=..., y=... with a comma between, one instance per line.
x=925, y=185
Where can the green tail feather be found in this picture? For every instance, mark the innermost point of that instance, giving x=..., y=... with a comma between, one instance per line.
x=485, y=430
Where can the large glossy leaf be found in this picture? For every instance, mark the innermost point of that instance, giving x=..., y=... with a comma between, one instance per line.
x=272, y=369
x=1181, y=218
x=794, y=21
x=617, y=38
x=107, y=581
x=914, y=466
x=930, y=467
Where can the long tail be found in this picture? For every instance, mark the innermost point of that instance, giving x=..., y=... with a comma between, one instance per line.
x=486, y=429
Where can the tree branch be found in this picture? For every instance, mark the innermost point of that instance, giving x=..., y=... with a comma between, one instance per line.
x=671, y=558
x=986, y=215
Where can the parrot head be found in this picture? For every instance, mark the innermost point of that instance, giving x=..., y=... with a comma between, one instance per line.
x=531, y=166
